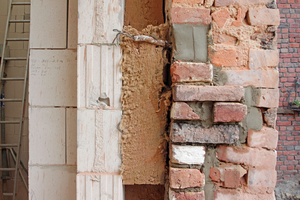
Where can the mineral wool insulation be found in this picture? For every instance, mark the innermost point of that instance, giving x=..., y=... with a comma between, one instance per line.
x=145, y=104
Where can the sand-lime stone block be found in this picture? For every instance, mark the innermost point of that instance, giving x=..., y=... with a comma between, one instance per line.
x=52, y=182
x=47, y=136
x=190, y=155
x=99, y=187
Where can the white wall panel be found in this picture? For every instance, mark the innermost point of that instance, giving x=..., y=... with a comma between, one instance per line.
x=48, y=26
x=52, y=78
x=46, y=136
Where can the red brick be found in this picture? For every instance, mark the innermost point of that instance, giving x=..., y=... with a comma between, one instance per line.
x=191, y=15
x=247, y=156
x=217, y=134
x=240, y=17
x=262, y=178
x=268, y=98
x=231, y=178
x=265, y=138
x=186, y=178
x=189, y=1
x=263, y=16
x=214, y=174
x=220, y=17
x=229, y=112
x=256, y=78
x=207, y=93
x=225, y=57
x=270, y=117
x=240, y=2
x=182, y=111
x=220, y=38
x=226, y=194
x=191, y=72
x=186, y=195
x=261, y=59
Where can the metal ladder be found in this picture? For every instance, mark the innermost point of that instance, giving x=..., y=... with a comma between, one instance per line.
x=9, y=147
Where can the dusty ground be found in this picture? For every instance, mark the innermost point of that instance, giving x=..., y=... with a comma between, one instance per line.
x=288, y=190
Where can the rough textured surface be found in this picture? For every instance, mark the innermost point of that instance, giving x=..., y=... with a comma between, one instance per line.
x=143, y=192
x=186, y=195
x=207, y=93
x=240, y=2
x=182, y=111
x=186, y=178
x=191, y=15
x=191, y=72
x=265, y=138
x=288, y=189
x=261, y=59
x=270, y=117
x=145, y=109
x=264, y=17
x=187, y=154
x=141, y=13
x=261, y=178
x=229, y=112
x=217, y=134
x=248, y=156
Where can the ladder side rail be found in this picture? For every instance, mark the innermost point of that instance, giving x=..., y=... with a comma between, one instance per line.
x=4, y=42
x=21, y=124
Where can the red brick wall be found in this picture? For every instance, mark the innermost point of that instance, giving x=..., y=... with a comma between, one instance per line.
x=288, y=125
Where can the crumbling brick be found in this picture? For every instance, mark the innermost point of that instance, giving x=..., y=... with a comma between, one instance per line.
x=265, y=138
x=207, y=93
x=225, y=58
x=218, y=134
x=231, y=178
x=186, y=195
x=220, y=17
x=263, y=16
x=261, y=59
x=229, y=112
x=182, y=111
x=270, y=117
x=262, y=178
x=191, y=72
x=248, y=156
x=188, y=1
x=191, y=15
x=186, y=178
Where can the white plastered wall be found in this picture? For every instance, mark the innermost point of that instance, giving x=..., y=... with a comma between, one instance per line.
x=99, y=75
x=53, y=100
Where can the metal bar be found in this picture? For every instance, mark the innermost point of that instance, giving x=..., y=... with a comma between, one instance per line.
x=7, y=169
x=20, y=21
x=7, y=194
x=20, y=172
x=21, y=3
x=21, y=125
x=8, y=145
x=17, y=39
x=9, y=122
x=4, y=42
x=12, y=79
x=10, y=100
x=15, y=58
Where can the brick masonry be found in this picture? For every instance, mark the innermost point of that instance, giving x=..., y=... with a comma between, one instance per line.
x=288, y=125
x=233, y=108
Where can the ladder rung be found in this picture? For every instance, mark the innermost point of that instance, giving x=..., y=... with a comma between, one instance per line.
x=8, y=145
x=9, y=122
x=8, y=194
x=10, y=100
x=20, y=3
x=7, y=169
x=19, y=21
x=15, y=58
x=12, y=79
x=17, y=39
